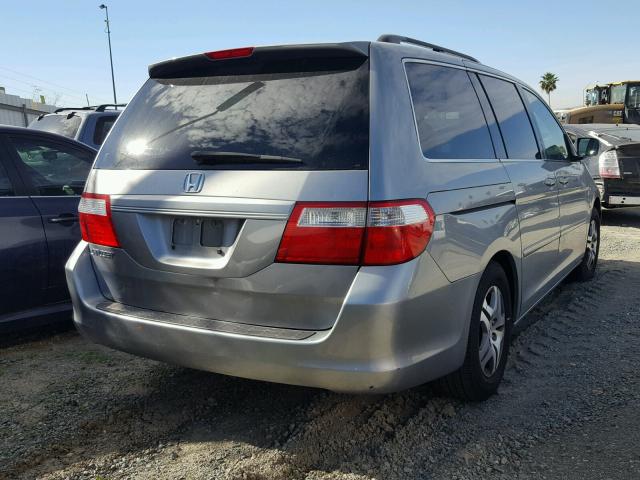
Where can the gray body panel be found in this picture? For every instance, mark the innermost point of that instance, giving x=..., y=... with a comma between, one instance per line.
x=370, y=328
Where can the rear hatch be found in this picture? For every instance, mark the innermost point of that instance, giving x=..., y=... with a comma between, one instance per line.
x=204, y=168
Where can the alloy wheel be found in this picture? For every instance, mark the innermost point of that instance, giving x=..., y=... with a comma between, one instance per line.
x=492, y=330
x=592, y=244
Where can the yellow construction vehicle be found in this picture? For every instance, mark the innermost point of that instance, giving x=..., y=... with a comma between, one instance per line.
x=616, y=102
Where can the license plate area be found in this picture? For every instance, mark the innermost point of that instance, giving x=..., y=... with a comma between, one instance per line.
x=206, y=232
x=185, y=230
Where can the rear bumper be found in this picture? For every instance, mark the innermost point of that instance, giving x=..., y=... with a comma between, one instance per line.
x=615, y=192
x=623, y=200
x=399, y=326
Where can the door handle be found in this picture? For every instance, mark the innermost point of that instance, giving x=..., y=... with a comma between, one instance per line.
x=550, y=181
x=563, y=180
x=64, y=218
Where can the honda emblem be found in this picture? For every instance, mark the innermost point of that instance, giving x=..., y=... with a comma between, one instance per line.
x=193, y=182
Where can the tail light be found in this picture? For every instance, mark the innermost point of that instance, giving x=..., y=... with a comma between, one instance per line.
x=231, y=53
x=397, y=231
x=360, y=233
x=608, y=165
x=95, y=220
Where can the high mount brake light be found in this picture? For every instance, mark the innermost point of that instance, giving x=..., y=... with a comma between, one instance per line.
x=95, y=220
x=356, y=233
x=231, y=53
x=608, y=165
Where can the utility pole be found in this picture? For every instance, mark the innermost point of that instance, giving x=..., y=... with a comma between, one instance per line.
x=113, y=81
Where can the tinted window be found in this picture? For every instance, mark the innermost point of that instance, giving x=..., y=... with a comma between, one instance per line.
x=103, y=125
x=62, y=124
x=319, y=117
x=450, y=121
x=52, y=168
x=5, y=184
x=553, y=141
x=513, y=120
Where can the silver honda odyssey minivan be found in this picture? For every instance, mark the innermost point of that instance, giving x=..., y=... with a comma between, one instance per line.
x=360, y=217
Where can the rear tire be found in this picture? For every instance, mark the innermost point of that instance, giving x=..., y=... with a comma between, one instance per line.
x=488, y=340
x=587, y=268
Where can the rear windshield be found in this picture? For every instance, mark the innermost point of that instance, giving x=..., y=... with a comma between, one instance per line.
x=318, y=118
x=66, y=125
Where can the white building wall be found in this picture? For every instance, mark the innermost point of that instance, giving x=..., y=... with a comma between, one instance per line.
x=14, y=108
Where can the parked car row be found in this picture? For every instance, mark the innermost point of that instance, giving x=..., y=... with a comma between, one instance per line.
x=362, y=217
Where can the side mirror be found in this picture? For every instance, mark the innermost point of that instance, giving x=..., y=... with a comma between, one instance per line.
x=587, y=147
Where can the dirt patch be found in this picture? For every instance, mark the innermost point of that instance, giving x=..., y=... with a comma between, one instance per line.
x=567, y=408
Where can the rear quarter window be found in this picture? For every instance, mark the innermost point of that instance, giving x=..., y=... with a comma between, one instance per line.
x=449, y=118
x=103, y=125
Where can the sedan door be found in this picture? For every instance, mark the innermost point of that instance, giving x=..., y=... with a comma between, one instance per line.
x=55, y=172
x=23, y=247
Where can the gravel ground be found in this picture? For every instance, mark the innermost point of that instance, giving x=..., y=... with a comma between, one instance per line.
x=567, y=408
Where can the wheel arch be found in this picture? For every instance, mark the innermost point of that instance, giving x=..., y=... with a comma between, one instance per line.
x=508, y=264
x=597, y=205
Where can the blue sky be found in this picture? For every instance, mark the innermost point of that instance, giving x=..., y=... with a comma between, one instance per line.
x=58, y=48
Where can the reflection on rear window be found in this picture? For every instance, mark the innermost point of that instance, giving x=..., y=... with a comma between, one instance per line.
x=66, y=125
x=321, y=118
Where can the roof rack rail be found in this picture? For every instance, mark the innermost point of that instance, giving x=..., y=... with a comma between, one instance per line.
x=58, y=110
x=390, y=38
x=102, y=108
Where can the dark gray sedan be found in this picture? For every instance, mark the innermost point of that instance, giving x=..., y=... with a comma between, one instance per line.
x=612, y=156
x=41, y=178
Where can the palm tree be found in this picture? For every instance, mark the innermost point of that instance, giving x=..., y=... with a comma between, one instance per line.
x=548, y=84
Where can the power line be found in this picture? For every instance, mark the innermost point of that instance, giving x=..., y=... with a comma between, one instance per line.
x=41, y=80
x=47, y=91
x=31, y=84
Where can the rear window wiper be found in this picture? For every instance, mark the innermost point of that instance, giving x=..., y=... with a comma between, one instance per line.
x=220, y=158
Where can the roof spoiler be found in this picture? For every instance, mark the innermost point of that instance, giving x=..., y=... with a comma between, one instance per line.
x=283, y=58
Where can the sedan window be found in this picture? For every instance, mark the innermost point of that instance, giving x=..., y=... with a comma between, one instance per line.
x=53, y=168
